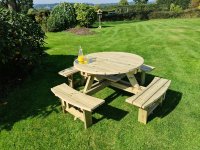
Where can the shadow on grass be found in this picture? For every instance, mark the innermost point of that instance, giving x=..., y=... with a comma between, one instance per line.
x=33, y=98
x=172, y=99
x=110, y=112
x=103, y=26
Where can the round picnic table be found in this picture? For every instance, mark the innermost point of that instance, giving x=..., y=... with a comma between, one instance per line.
x=110, y=63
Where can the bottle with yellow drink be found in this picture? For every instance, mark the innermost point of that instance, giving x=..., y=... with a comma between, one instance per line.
x=80, y=56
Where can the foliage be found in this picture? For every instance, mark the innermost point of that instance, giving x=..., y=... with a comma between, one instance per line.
x=191, y=13
x=163, y=15
x=21, y=39
x=85, y=14
x=140, y=1
x=139, y=11
x=166, y=3
x=18, y=5
x=175, y=8
x=195, y=3
x=62, y=17
x=123, y=3
x=40, y=16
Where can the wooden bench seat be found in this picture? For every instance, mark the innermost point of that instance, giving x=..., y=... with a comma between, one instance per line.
x=78, y=104
x=69, y=72
x=145, y=68
x=150, y=98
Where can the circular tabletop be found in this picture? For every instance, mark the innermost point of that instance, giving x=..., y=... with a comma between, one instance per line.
x=110, y=63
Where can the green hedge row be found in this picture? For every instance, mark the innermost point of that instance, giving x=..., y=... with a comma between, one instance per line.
x=145, y=15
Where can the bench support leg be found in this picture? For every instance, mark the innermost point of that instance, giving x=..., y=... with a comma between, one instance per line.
x=162, y=99
x=142, y=116
x=87, y=116
x=143, y=76
x=71, y=81
x=63, y=105
x=133, y=81
x=89, y=83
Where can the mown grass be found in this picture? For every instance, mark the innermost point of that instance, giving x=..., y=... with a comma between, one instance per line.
x=32, y=119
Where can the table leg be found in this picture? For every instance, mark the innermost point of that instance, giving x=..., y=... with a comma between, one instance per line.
x=133, y=81
x=89, y=83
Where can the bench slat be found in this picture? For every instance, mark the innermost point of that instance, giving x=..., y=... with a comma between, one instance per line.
x=69, y=100
x=157, y=95
x=77, y=98
x=146, y=68
x=152, y=92
x=67, y=72
x=133, y=98
x=146, y=95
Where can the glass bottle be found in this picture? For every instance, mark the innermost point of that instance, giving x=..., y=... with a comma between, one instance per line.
x=80, y=55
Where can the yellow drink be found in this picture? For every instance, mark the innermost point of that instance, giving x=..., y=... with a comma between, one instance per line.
x=81, y=58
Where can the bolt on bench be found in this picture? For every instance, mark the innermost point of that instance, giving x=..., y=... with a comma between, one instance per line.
x=78, y=104
x=148, y=99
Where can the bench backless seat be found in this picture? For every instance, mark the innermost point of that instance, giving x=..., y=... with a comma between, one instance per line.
x=148, y=99
x=78, y=104
x=69, y=72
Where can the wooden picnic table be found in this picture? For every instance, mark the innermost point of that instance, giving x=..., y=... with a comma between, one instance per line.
x=108, y=69
x=111, y=64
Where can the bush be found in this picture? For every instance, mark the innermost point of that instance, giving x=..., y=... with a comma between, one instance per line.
x=163, y=15
x=62, y=17
x=175, y=8
x=41, y=17
x=21, y=40
x=191, y=13
x=86, y=15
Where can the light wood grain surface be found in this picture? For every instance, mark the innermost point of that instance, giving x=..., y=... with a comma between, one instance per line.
x=110, y=63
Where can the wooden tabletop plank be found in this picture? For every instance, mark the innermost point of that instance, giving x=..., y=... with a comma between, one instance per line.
x=110, y=63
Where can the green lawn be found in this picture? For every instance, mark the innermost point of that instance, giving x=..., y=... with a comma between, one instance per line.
x=33, y=119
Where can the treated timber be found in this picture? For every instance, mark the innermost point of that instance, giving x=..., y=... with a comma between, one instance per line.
x=149, y=98
x=144, y=69
x=78, y=104
x=69, y=72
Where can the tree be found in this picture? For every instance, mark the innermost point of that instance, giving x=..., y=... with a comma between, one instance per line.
x=182, y=3
x=123, y=3
x=85, y=14
x=194, y=3
x=140, y=1
x=17, y=5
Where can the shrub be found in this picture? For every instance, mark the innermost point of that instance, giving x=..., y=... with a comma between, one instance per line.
x=61, y=17
x=21, y=40
x=41, y=17
x=191, y=13
x=86, y=15
x=194, y=3
x=163, y=15
x=175, y=8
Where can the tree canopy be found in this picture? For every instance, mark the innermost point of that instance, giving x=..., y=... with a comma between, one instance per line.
x=123, y=3
x=140, y=1
x=17, y=5
x=182, y=3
